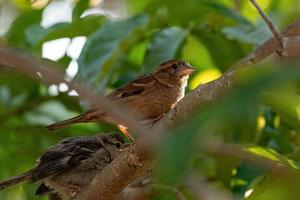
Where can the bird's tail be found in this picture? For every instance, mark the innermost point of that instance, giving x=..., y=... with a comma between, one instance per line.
x=27, y=176
x=67, y=122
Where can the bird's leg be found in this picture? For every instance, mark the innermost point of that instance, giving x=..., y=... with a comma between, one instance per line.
x=125, y=132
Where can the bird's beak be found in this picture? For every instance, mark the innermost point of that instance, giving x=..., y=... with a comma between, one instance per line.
x=188, y=70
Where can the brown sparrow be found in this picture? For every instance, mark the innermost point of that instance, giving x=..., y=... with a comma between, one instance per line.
x=67, y=167
x=148, y=97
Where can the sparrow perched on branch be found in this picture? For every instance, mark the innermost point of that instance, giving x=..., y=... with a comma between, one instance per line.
x=148, y=97
x=67, y=167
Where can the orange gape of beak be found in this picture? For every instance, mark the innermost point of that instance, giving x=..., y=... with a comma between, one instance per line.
x=125, y=132
x=188, y=70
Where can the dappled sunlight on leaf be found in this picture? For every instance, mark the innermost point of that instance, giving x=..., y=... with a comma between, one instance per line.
x=272, y=155
x=38, y=4
x=261, y=122
x=196, y=53
x=204, y=77
x=250, y=12
x=276, y=187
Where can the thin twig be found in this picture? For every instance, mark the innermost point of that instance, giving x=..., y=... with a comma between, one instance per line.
x=276, y=33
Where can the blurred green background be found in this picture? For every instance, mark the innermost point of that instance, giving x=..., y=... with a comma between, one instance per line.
x=107, y=43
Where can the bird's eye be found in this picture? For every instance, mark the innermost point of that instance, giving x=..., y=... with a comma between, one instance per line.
x=174, y=66
x=118, y=145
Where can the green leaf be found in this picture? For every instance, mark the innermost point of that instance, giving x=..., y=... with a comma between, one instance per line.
x=34, y=34
x=223, y=51
x=47, y=113
x=192, y=49
x=276, y=186
x=14, y=84
x=192, y=12
x=164, y=46
x=16, y=36
x=225, y=11
x=169, y=13
x=272, y=155
x=285, y=101
x=81, y=27
x=136, y=6
x=254, y=34
x=103, y=47
x=80, y=7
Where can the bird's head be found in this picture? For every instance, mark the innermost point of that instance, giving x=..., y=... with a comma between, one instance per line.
x=175, y=71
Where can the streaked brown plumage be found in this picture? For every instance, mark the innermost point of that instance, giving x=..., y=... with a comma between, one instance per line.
x=148, y=97
x=67, y=167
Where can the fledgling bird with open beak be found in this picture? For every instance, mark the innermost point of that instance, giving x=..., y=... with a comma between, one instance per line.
x=148, y=97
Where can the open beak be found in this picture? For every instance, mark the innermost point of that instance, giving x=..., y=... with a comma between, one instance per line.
x=188, y=70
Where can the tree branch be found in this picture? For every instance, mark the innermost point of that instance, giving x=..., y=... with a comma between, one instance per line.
x=292, y=32
x=276, y=33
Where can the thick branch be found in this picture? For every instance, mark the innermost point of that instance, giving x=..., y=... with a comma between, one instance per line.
x=269, y=47
x=122, y=171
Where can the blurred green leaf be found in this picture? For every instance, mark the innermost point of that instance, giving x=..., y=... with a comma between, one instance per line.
x=15, y=90
x=79, y=8
x=224, y=52
x=245, y=176
x=252, y=34
x=196, y=53
x=105, y=44
x=81, y=27
x=164, y=46
x=16, y=36
x=136, y=6
x=48, y=113
x=272, y=155
x=192, y=12
x=226, y=11
x=34, y=34
x=285, y=101
x=276, y=187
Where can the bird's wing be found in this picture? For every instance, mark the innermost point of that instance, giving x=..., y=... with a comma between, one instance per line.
x=66, y=155
x=95, y=114
x=133, y=88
